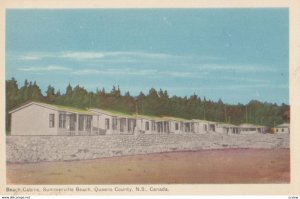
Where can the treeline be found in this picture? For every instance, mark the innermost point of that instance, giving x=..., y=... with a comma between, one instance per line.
x=155, y=103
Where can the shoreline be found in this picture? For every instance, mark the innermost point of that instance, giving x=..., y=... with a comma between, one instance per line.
x=154, y=153
x=187, y=167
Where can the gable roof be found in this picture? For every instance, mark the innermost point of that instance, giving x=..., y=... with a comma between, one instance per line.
x=246, y=125
x=204, y=121
x=150, y=117
x=120, y=114
x=53, y=107
x=228, y=125
x=111, y=112
x=283, y=125
x=174, y=119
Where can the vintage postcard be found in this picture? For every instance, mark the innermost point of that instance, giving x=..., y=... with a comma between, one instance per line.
x=153, y=98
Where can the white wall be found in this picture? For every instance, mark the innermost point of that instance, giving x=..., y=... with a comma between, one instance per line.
x=220, y=129
x=33, y=120
x=141, y=126
x=245, y=131
x=172, y=127
x=282, y=130
x=102, y=119
x=144, y=126
x=200, y=127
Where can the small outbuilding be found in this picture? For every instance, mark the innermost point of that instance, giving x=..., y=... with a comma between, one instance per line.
x=282, y=128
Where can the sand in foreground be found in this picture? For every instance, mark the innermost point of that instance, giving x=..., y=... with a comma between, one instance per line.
x=206, y=166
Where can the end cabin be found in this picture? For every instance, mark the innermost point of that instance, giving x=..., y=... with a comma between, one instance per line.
x=36, y=118
x=282, y=128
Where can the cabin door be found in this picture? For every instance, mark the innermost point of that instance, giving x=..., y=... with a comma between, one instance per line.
x=212, y=127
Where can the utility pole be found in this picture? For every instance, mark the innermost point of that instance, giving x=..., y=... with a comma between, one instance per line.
x=249, y=116
x=90, y=101
x=204, y=109
x=136, y=108
x=136, y=130
x=225, y=113
x=136, y=105
x=246, y=115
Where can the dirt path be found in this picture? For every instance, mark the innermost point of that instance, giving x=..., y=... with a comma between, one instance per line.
x=206, y=166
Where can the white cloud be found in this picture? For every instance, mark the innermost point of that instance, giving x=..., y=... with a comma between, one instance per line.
x=144, y=55
x=114, y=54
x=209, y=63
x=82, y=55
x=113, y=71
x=90, y=55
x=132, y=72
x=225, y=87
x=33, y=56
x=242, y=79
x=46, y=68
x=236, y=68
x=29, y=57
x=177, y=74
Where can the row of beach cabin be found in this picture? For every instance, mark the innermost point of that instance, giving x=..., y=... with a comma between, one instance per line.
x=37, y=118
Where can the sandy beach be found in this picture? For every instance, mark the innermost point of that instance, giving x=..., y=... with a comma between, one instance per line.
x=202, y=166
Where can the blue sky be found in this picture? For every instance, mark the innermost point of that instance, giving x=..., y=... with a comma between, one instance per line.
x=233, y=54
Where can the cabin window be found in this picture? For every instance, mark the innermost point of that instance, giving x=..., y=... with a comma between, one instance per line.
x=176, y=126
x=122, y=124
x=181, y=126
x=282, y=130
x=114, y=123
x=187, y=127
x=131, y=124
x=62, y=120
x=192, y=129
x=147, y=126
x=166, y=127
x=212, y=127
x=106, y=123
x=159, y=126
x=205, y=127
x=72, y=122
x=153, y=126
x=51, y=120
x=81, y=123
x=88, y=124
